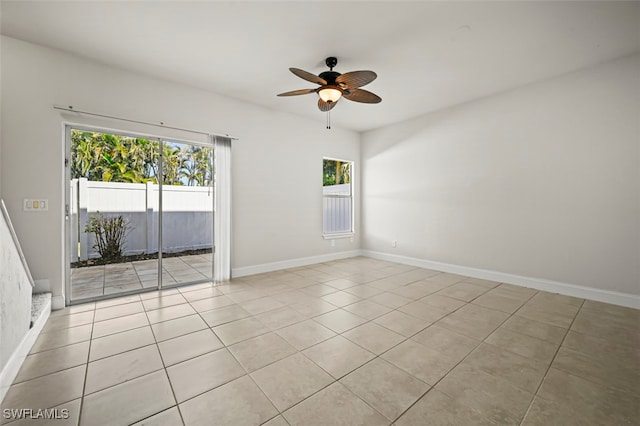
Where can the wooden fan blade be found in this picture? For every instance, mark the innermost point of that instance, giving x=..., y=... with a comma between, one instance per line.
x=325, y=106
x=355, y=79
x=308, y=76
x=364, y=96
x=298, y=92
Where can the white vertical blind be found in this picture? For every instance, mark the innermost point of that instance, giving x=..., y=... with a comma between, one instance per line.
x=222, y=209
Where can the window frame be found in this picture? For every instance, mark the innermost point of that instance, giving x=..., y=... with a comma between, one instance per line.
x=352, y=232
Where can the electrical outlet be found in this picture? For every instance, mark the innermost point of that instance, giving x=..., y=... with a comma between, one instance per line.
x=394, y=243
x=35, y=204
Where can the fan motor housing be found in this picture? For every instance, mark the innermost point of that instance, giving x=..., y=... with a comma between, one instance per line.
x=329, y=77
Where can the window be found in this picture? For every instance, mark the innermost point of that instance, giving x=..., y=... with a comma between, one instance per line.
x=337, y=197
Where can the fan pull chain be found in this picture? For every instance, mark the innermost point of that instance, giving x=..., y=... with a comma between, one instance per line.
x=329, y=120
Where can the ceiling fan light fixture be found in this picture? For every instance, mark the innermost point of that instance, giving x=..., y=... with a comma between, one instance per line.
x=330, y=94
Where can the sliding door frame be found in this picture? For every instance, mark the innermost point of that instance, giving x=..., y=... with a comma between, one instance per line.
x=67, y=127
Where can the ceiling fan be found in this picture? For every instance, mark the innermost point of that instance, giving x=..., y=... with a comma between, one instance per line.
x=334, y=85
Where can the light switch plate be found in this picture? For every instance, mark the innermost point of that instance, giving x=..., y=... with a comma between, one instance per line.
x=35, y=204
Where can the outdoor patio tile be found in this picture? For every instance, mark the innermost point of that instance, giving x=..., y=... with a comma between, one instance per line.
x=86, y=294
x=188, y=346
x=203, y=373
x=153, y=284
x=120, y=288
x=123, y=367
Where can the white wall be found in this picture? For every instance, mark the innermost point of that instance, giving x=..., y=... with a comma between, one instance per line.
x=15, y=300
x=275, y=150
x=542, y=181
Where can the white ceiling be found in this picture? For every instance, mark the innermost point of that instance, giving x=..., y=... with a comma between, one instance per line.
x=428, y=55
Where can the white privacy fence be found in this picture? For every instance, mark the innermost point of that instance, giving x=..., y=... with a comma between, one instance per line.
x=336, y=206
x=187, y=219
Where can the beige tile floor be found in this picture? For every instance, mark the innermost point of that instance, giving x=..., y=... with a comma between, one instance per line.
x=101, y=280
x=351, y=342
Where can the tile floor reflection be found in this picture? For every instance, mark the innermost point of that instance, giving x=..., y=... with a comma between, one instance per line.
x=101, y=280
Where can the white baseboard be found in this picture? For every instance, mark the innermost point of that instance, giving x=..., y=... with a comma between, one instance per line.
x=10, y=370
x=57, y=302
x=606, y=296
x=292, y=263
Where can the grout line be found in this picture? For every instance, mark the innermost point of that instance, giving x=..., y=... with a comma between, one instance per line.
x=86, y=372
x=535, y=394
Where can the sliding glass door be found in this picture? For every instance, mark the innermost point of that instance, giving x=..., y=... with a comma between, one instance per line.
x=187, y=213
x=139, y=213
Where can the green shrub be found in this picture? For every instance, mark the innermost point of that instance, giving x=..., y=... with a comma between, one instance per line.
x=110, y=233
